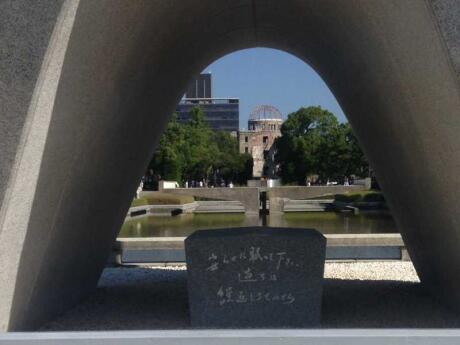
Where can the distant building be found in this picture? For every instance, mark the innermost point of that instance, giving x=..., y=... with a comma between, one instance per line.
x=222, y=114
x=264, y=126
x=200, y=87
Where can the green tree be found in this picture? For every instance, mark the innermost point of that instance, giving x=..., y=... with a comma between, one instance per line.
x=244, y=165
x=358, y=164
x=193, y=151
x=167, y=162
x=199, y=150
x=232, y=165
x=333, y=154
x=313, y=142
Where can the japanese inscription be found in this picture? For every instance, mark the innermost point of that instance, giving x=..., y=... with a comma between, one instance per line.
x=275, y=263
x=255, y=277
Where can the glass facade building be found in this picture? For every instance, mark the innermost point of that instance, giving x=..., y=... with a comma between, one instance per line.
x=221, y=113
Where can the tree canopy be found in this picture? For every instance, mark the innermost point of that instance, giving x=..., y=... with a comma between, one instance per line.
x=192, y=151
x=313, y=142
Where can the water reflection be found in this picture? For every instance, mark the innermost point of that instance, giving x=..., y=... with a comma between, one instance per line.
x=326, y=222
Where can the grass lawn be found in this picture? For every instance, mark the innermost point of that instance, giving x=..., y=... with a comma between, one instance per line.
x=158, y=198
x=352, y=197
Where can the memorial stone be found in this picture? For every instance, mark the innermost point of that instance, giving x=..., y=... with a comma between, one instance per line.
x=255, y=277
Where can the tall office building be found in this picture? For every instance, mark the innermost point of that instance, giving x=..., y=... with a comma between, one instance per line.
x=221, y=114
x=200, y=87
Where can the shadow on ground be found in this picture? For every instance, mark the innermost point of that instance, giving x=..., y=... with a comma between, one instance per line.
x=144, y=298
x=383, y=304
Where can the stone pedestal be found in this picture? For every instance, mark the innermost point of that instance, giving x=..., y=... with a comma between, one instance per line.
x=255, y=277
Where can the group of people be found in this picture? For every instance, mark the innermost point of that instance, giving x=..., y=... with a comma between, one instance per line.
x=204, y=184
x=318, y=182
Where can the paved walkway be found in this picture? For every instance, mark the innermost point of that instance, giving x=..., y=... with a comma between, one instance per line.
x=356, y=295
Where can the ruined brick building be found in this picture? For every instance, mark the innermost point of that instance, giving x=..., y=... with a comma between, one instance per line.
x=264, y=126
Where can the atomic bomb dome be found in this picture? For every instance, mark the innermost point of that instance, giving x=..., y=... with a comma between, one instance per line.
x=265, y=118
x=265, y=112
x=264, y=126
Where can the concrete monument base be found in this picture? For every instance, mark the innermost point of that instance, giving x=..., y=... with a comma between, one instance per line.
x=86, y=88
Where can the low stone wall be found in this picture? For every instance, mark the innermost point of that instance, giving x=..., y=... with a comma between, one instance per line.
x=308, y=205
x=249, y=197
x=219, y=207
x=161, y=210
x=279, y=196
x=339, y=247
x=194, y=207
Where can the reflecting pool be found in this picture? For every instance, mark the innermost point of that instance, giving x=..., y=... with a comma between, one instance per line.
x=326, y=222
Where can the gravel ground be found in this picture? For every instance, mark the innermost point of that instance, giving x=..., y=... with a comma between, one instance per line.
x=356, y=295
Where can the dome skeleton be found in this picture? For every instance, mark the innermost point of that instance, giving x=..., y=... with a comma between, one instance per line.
x=265, y=112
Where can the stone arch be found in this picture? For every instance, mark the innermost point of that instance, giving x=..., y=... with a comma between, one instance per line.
x=88, y=86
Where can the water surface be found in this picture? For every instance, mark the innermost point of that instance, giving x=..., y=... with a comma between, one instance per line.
x=326, y=222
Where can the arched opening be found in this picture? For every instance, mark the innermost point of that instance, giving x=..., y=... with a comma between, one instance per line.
x=386, y=63
x=241, y=83
x=153, y=287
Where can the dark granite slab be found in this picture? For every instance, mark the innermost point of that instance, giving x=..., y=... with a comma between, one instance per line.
x=255, y=277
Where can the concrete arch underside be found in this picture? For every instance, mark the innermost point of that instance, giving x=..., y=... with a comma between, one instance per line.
x=86, y=87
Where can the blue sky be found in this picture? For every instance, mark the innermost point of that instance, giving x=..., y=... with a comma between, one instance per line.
x=268, y=76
